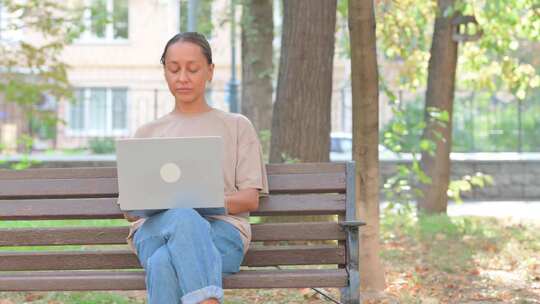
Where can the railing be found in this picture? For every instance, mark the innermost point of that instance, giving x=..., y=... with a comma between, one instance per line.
x=482, y=122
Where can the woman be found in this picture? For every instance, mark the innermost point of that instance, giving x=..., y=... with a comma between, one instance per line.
x=185, y=255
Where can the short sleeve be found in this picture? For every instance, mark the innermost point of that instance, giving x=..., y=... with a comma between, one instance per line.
x=141, y=132
x=250, y=167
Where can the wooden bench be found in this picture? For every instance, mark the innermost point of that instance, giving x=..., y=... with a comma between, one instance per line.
x=90, y=193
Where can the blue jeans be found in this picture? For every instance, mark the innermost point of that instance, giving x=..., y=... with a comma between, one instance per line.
x=186, y=255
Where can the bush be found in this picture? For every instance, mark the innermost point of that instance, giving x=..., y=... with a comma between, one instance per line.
x=102, y=145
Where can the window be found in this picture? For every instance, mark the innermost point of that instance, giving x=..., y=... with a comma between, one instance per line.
x=341, y=145
x=106, y=20
x=98, y=112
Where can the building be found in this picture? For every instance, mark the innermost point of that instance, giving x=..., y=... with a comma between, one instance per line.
x=118, y=79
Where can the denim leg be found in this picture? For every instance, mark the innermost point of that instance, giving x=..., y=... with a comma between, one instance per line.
x=229, y=243
x=198, y=253
x=161, y=278
x=195, y=259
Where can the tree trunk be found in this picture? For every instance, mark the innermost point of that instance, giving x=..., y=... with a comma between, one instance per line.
x=301, y=122
x=257, y=65
x=365, y=104
x=440, y=95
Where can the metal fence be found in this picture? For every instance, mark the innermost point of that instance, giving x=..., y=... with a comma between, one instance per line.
x=88, y=123
x=483, y=122
x=486, y=122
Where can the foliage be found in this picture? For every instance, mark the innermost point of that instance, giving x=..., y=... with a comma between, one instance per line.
x=44, y=124
x=404, y=134
x=33, y=72
x=496, y=123
x=343, y=45
x=405, y=128
x=402, y=187
x=466, y=183
x=492, y=63
x=404, y=36
x=102, y=145
x=482, y=122
x=25, y=162
x=500, y=61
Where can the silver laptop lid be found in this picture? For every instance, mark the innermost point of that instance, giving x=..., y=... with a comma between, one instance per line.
x=170, y=172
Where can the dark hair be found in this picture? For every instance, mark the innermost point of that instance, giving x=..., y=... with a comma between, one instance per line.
x=192, y=37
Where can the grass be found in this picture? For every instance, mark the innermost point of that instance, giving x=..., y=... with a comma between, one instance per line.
x=69, y=298
x=432, y=259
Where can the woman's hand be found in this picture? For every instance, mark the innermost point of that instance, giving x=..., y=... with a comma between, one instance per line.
x=130, y=218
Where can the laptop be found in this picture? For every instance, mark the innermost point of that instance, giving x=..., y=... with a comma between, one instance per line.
x=156, y=174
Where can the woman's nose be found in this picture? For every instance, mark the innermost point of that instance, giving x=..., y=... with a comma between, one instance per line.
x=182, y=76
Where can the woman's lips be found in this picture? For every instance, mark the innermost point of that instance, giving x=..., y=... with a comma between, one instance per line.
x=184, y=91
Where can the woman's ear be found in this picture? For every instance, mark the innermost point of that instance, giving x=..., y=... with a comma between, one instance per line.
x=210, y=73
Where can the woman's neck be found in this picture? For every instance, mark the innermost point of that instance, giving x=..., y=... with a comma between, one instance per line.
x=191, y=108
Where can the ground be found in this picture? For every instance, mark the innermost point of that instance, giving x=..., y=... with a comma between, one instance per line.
x=436, y=259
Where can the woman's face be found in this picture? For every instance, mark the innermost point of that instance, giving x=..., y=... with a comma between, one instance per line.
x=187, y=71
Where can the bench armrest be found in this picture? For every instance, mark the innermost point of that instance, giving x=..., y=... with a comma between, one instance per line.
x=351, y=225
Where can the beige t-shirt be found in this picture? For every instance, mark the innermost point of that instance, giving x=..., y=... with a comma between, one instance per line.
x=243, y=165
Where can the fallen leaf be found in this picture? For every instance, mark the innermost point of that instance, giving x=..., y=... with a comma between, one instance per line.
x=31, y=297
x=474, y=272
x=307, y=293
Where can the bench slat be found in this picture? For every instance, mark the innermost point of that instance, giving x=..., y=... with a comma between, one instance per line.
x=63, y=236
x=294, y=255
x=301, y=204
x=108, y=187
x=107, y=208
x=117, y=235
x=110, y=172
x=125, y=259
x=134, y=280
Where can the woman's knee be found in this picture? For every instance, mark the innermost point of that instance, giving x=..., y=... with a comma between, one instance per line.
x=186, y=219
x=160, y=261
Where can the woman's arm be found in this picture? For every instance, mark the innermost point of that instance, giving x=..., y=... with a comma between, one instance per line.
x=242, y=201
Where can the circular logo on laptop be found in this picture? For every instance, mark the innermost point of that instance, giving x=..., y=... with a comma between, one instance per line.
x=170, y=173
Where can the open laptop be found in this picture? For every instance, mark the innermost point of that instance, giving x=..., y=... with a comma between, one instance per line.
x=156, y=174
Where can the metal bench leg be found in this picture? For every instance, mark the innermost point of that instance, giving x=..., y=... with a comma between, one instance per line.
x=351, y=294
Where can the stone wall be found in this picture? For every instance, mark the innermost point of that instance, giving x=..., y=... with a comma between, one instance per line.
x=515, y=178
